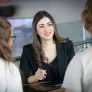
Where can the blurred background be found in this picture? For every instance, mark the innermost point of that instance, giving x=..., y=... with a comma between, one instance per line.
x=67, y=15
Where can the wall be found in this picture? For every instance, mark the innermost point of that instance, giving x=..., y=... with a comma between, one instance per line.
x=62, y=10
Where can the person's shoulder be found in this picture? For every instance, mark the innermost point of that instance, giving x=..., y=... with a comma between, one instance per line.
x=27, y=46
x=14, y=67
x=84, y=57
x=66, y=42
x=86, y=53
x=2, y=67
x=2, y=63
x=6, y=65
x=13, y=76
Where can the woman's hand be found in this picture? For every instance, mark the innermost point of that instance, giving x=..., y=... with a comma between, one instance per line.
x=40, y=74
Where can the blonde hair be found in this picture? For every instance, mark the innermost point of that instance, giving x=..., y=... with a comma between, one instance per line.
x=5, y=35
x=87, y=16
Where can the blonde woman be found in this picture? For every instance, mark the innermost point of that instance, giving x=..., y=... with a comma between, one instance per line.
x=78, y=75
x=10, y=80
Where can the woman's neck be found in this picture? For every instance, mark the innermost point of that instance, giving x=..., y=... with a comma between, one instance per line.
x=47, y=43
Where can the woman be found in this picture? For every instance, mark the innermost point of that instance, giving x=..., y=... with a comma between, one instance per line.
x=10, y=79
x=47, y=57
x=78, y=76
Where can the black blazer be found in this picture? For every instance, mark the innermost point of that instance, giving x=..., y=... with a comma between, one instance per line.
x=65, y=53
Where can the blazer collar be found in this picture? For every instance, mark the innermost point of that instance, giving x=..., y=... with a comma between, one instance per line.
x=60, y=53
x=60, y=57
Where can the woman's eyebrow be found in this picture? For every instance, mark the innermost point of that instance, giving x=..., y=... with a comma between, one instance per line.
x=46, y=23
x=41, y=24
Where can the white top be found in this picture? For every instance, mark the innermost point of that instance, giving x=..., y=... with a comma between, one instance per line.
x=78, y=75
x=10, y=79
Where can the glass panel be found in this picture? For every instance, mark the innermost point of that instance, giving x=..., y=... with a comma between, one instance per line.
x=22, y=28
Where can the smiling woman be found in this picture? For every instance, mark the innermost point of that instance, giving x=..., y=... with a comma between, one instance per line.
x=45, y=29
x=47, y=58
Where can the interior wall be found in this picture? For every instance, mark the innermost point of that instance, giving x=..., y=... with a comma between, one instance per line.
x=67, y=14
x=62, y=10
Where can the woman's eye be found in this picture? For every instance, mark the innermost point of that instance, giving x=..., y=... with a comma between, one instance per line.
x=41, y=26
x=49, y=24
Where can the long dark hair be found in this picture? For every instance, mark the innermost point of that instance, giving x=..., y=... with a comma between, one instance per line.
x=38, y=51
x=5, y=35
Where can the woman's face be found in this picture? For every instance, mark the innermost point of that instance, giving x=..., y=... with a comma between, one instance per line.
x=45, y=29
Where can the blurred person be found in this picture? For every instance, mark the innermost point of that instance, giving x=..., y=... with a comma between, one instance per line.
x=47, y=58
x=10, y=79
x=78, y=75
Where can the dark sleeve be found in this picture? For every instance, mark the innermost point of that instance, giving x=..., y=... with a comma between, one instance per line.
x=25, y=66
x=70, y=50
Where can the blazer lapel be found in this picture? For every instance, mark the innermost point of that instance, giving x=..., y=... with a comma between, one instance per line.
x=61, y=60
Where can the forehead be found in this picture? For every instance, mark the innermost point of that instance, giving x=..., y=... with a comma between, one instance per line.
x=44, y=20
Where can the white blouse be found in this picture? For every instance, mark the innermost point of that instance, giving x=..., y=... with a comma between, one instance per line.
x=78, y=75
x=10, y=79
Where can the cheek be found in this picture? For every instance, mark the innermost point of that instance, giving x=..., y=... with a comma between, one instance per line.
x=53, y=31
x=10, y=42
x=39, y=32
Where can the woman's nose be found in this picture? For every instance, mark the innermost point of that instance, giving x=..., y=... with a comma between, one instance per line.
x=46, y=27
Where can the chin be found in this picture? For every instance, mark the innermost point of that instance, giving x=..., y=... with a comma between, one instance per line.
x=49, y=38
